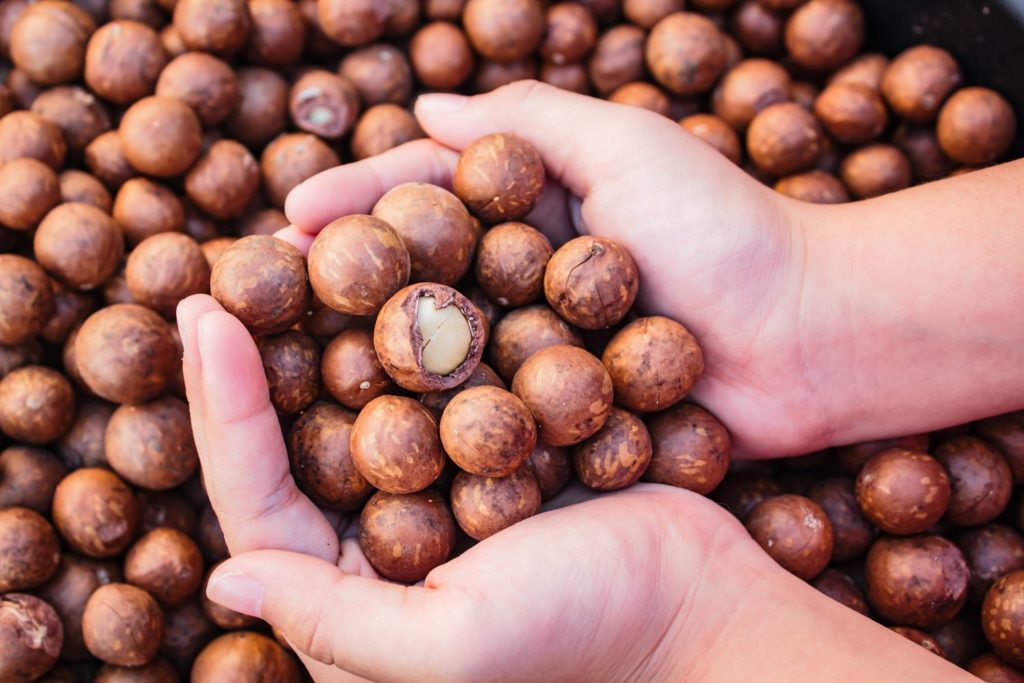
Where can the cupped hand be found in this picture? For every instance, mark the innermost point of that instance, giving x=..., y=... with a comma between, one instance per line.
x=717, y=251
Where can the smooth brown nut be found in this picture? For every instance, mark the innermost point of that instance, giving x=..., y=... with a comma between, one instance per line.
x=616, y=455
x=591, y=282
x=351, y=371
x=70, y=309
x=976, y=126
x=28, y=477
x=31, y=636
x=920, y=581
x=618, y=58
x=525, y=331
x=143, y=208
x=245, y=654
x=917, y=82
x=875, y=170
x=441, y=56
x=504, y=30
x=357, y=263
x=867, y=69
x=643, y=95
x=123, y=61
x=381, y=73
x=82, y=446
x=290, y=159
x=217, y=26
x=261, y=110
x=324, y=103
x=125, y=353
x=160, y=136
x=149, y=12
x=383, y=127
x=902, y=491
x=484, y=506
x=186, y=632
x=568, y=392
x=499, y=177
x=552, y=467
x=224, y=180
x=395, y=445
x=105, y=158
x=122, y=625
x=166, y=268
x=757, y=30
x=261, y=281
x=817, y=187
x=795, y=532
x=28, y=134
x=429, y=337
x=715, y=132
x=852, y=114
x=784, y=138
x=435, y=227
x=151, y=445
x=319, y=448
x=30, y=189
x=685, y=53
x=1002, y=617
x=405, y=536
x=572, y=77
x=48, y=41
x=291, y=361
x=353, y=22
x=27, y=299
x=851, y=532
x=203, y=82
x=570, y=33
x=991, y=551
x=264, y=222
x=691, y=449
x=841, y=588
x=165, y=563
x=824, y=34
x=29, y=551
x=277, y=34
x=510, y=262
x=69, y=590
x=82, y=188
x=980, y=479
x=921, y=146
x=95, y=512
x=76, y=111
x=653, y=363
x=488, y=431
x=37, y=404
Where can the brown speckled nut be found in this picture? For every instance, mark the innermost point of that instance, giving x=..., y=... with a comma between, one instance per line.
x=351, y=371
x=395, y=445
x=617, y=455
x=167, y=564
x=1002, y=617
x=653, y=363
x=568, y=392
x=29, y=550
x=31, y=636
x=26, y=296
x=261, y=281
x=357, y=263
x=488, y=431
x=318, y=446
x=408, y=328
x=37, y=404
x=685, y=53
x=122, y=625
x=95, y=512
x=510, y=263
x=691, y=449
x=903, y=492
x=917, y=81
x=980, y=478
x=79, y=244
x=405, y=536
x=591, y=282
x=224, y=180
x=484, y=506
x=123, y=61
x=292, y=363
x=795, y=532
x=499, y=177
x=247, y=656
x=524, y=332
x=151, y=444
x=919, y=581
x=28, y=477
x=166, y=268
x=217, y=26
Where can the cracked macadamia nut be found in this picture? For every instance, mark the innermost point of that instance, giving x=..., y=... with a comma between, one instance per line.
x=290, y=159
x=166, y=564
x=261, y=281
x=510, y=262
x=81, y=188
x=161, y=136
x=26, y=299
x=591, y=282
x=1002, y=617
x=381, y=73
x=395, y=445
x=692, y=449
x=499, y=177
x=429, y=337
x=31, y=636
x=323, y=103
x=504, y=30
x=568, y=392
x=483, y=506
x=715, y=132
x=29, y=551
x=357, y=263
x=122, y=625
x=405, y=536
x=319, y=447
x=976, y=126
x=795, y=532
x=817, y=187
x=653, y=363
x=277, y=33
x=902, y=491
x=784, y=138
x=261, y=108
x=875, y=170
x=852, y=534
x=48, y=41
x=570, y=33
x=217, y=26
x=920, y=581
x=685, y=53
x=244, y=655
x=291, y=361
x=28, y=477
x=980, y=479
x=435, y=228
x=30, y=189
x=125, y=353
x=224, y=180
x=351, y=371
x=151, y=445
x=825, y=34
x=202, y=81
x=616, y=455
x=441, y=56
x=488, y=431
x=383, y=127
x=852, y=114
x=123, y=61
x=524, y=332
x=37, y=404
x=143, y=208
x=27, y=134
x=166, y=268
x=552, y=467
x=95, y=512
x=917, y=82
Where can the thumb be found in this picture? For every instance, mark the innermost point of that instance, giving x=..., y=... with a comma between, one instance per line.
x=380, y=630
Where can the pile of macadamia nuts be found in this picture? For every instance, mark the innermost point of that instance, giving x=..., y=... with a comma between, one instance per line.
x=440, y=368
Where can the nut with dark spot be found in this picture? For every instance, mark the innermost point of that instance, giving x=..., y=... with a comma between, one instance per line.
x=292, y=363
x=484, y=506
x=591, y=282
x=405, y=536
x=29, y=551
x=27, y=299
x=685, y=53
x=95, y=512
x=37, y=404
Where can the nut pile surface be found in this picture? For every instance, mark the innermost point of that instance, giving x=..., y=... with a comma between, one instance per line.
x=146, y=151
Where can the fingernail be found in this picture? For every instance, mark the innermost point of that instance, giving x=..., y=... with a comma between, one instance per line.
x=440, y=103
x=236, y=591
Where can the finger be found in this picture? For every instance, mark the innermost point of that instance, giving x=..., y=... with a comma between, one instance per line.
x=188, y=313
x=247, y=472
x=355, y=188
x=368, y=627
x=296, y=237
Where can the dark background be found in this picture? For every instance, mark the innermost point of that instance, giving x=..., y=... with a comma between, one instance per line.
x=986, y=37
